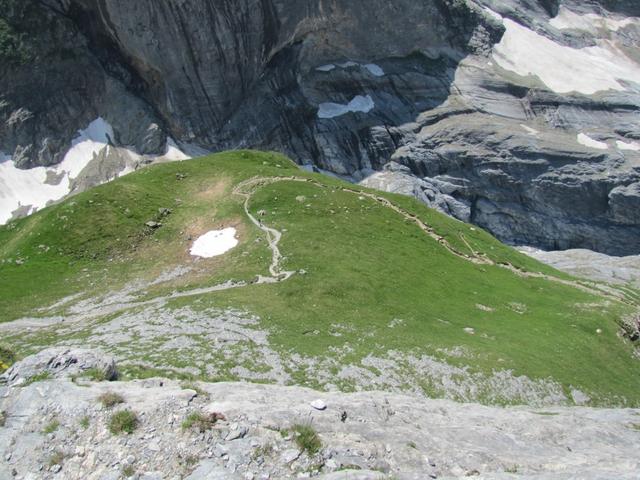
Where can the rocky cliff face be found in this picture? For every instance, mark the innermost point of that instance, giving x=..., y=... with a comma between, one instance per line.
x=518, y=115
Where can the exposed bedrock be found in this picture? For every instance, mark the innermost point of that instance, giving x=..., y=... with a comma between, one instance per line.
x=520, y=115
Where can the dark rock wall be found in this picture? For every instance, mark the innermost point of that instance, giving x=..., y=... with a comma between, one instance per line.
x=244, y=73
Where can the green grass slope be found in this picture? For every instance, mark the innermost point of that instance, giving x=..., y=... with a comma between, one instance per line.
x=365, y=267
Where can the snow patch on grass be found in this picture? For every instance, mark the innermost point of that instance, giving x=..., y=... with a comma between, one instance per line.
x=587, y=141
x=359, y=103
x=564, y=69
x=214, y=243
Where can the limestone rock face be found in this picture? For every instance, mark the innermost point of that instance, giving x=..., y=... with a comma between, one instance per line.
x=518, y=115
x=382, y=436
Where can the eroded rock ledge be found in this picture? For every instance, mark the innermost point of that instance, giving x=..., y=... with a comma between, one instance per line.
x=62, y=428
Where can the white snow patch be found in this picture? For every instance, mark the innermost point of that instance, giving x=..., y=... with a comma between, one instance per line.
x=27, y=188
x=173, y=152
x=587, y=141
x=214, y=243
x=529, y=130
x=591, y=22
x=564, y=69
x=359, y=103
x=633, y=146
x=375, y=70
x=326, y=68
x=87, y=144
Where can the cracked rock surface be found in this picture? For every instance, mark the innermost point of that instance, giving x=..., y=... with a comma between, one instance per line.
x=368, y=435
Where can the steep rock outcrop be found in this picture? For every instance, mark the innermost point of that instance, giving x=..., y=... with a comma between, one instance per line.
x=524, y=111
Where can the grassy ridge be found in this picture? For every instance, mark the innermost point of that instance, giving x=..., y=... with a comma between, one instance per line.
x=366, y=267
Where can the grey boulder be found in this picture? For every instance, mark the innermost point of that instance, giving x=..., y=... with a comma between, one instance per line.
x=61, y=362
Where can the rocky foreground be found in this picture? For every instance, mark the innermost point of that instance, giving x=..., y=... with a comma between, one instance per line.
x=57, y=422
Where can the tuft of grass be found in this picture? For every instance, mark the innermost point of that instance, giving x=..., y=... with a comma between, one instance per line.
x=3, y=418
x=512, y=469
x=51, y=427
x=110, y=399
x=191, y=460
x=84, y=422
x=7, y=358
x=263, y=451
x=307, y=438
x=56, y=458
x=201, y=421
x=128, y=471
x=38, y=377
x=412, y=445
x=124, y=421
x=95, y=375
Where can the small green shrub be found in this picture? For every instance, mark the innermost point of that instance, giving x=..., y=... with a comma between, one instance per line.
x=307, y=438
x=110, y=399
x=191, y=460
x=56, y=458
x=51, y=427
x=95, y=374
x=39, y=377
x=124, y=421
x=3, y=418
x=265, y=450
x=7, y=358
x=84, y=422
x=128, y=471
x=200, y=421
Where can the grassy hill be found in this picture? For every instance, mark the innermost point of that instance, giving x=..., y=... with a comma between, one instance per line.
x=387, y=293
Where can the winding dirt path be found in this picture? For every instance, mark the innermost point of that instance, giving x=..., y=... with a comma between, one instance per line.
x=246, y=190
x=273, y=235
x=474, y=257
